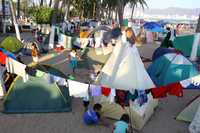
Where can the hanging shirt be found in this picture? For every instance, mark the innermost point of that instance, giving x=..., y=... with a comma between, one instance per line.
x=105, y=91
x=95, y=90
x=16, y=67
x=90, y=117
x=120, y=127
x=78, y=89
x=133, y=96
x=142, y=97
x=122, y=98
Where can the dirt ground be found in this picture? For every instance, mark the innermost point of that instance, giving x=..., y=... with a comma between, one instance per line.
x=163, y=120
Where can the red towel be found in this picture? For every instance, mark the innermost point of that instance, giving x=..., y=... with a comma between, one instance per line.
x=105, y=91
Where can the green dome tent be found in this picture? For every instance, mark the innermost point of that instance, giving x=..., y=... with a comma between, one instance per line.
x=185, y=43
x=171, y=68
x=11, y=44
x=37, y=95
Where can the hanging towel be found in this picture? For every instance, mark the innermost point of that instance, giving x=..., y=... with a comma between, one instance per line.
x=16, y=67
x=159, y=92
x=95, y=90
x=111, y=97
x=78, y=89
x=175, y=89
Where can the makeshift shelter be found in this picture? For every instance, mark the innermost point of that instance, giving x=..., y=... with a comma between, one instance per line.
x=124, y=70
x=99, y=28
x=188, y=113
x=153, y=27
x=11, y=44
x=185, y=43
x=37, y=95
x=169, y=68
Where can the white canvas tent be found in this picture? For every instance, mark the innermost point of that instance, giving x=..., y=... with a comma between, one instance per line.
x=124, y=70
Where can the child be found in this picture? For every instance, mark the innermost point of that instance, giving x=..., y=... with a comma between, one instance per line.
x=92, y=116
x=73, y=59
x=34, y=53
x=122, y=125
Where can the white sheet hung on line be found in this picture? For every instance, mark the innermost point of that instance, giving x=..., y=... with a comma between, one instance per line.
x=78, y=89
x=16, y=67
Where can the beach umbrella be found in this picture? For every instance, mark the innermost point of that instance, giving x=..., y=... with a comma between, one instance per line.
x=153, y=27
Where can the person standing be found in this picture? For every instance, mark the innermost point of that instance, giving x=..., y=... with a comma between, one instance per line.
x=73, y=59
x=35, y=53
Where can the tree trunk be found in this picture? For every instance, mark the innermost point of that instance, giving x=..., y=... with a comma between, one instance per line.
x=94, y=10
x=198, y=25
x=120, y=10
x=133, y=8
x=14, y=21
x=18, y=8
x=41, y=2
x=4, y=16
x=53, y=23
x=67, y=8
x=50, y=3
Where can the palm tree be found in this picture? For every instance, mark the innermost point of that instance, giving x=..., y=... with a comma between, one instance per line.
x=198, y=25
x=134, y=3
x=121, y=5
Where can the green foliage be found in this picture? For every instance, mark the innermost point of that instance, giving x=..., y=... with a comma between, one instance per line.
x=42, y=15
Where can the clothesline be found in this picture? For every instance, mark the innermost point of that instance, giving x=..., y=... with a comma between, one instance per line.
x=157, y=92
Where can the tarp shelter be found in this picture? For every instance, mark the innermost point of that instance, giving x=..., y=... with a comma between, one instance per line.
x=153, y=27
x=37, y=95
x=11, y=44
x=188, y=113
x=99, y=28
x=171, y=68
x=184, y=44
x=124, y=70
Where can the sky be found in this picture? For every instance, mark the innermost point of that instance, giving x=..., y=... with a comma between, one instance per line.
x=173, y=3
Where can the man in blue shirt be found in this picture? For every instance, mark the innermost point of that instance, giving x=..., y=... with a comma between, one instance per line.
x=92, y=116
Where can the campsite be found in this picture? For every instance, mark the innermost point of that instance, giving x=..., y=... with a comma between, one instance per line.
x=76, y=70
